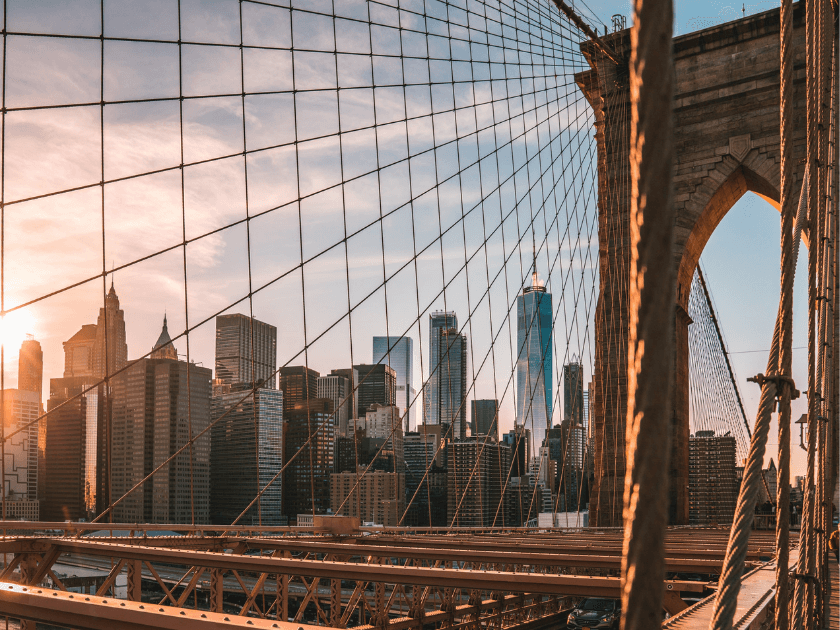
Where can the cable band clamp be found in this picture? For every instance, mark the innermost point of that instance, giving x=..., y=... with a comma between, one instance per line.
x=779, y=380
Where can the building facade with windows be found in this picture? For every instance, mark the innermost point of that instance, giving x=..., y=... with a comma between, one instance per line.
x=309, y=453
x=246, y=455
x=337, y=388
x=484, y=417
x=446, y=389
x=712, y=479
x=246, y=351
x=21, y=410
x=398, y=353
x=375, y=497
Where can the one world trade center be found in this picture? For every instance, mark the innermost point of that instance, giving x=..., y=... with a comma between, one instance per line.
x=533, y=363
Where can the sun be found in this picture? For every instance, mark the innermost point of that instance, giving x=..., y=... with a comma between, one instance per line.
x=14, y=327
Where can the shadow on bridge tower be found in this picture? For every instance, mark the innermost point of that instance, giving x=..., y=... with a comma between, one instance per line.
x=726, y=126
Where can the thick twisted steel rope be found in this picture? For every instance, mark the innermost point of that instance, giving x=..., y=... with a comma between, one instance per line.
x=805, y=564
x=787, y=198
x=650, y=348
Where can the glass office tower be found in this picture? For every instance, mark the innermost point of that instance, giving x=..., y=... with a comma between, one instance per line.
x=400, y=358
x=438, y=321
x=246, y=455
x=533, y=363
x=446, y=390
x=235, y=360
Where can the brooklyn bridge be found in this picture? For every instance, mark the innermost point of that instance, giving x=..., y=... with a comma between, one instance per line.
x=410, y=314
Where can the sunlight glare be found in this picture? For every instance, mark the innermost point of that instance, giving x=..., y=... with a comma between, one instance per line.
x=13, y=330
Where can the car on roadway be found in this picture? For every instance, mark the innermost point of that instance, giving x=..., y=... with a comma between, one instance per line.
x=596, y=612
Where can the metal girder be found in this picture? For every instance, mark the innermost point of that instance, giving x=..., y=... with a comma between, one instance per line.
x=696, y=546
x=542, y=583
x=88, y=612
x=547, y=558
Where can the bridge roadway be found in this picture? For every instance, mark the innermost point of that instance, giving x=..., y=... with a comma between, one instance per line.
x=515, y=577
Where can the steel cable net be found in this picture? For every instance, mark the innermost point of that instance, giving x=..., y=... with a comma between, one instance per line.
x=337, y=170
x=719, y=427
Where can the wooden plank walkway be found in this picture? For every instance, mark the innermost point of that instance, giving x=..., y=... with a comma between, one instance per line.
x=754, y=599
x=833, y=620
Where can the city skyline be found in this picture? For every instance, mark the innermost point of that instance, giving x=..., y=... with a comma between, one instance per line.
x=141, y=218
x=90, y=340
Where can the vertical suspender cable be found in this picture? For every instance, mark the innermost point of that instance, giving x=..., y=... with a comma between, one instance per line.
x=788, y=208
x=806, y=556
x=651, y=340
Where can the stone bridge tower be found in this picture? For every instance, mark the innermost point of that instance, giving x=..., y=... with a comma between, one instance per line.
x=726, y=125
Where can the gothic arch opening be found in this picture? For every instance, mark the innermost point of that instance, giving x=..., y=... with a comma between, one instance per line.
x=715, y=207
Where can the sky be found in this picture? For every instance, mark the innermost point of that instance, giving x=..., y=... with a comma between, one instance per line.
x=514, y=158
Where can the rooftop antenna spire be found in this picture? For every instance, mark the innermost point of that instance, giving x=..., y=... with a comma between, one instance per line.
x=534, y=244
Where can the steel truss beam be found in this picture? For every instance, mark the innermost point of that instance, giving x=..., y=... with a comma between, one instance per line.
x=540, y=583
x=90, y=612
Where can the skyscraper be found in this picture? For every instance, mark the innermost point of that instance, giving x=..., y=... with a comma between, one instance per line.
x=375, y=497
x=235, y=360
x=31, y=366
x=298, y=384
x=156, y=403
x=573, y=401
x=383, y=422
x=307, y=428
x=353, y=377
x=246, y=452
x=79, y=351
x=110, y=328
x=21, y=463
x=85, y=352
x=445, y=394
x=377, y=384
x=337, y=389
x=477, y=472
x=425, y=477
x=73, y=459
x=401, y=359
x=519, y=441
x=438, y=321
x=574, y=405
x=533, y=363
x=712, y=484
x=484, y=417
